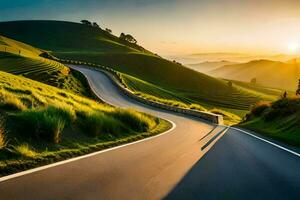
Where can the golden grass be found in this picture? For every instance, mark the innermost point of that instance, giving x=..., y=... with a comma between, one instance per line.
x=24, y=150
x=24, y=93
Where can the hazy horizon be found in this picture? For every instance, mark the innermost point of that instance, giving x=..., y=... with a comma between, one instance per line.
x=180, y=27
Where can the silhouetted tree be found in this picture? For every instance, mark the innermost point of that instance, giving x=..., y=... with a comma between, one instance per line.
x=253, y=80
x=96, y=25
x=298, y=90
x=86, y=22
x=122, y=36
x=229, y=83
x=108, y=30
x=128, y=38
x=284, y=95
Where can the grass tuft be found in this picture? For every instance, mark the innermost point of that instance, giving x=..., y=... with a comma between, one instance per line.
x=136, y=121
x=96, y=123
x=46, y=123
x=24, y=150
x=10, y=102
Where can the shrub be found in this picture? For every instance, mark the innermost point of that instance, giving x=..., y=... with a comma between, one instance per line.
x=134, y=120
x=259, y=108
x=97, y=123
x=283, y=107
x=47, y=123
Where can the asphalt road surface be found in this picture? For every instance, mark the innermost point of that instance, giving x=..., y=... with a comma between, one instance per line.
x=195, y=160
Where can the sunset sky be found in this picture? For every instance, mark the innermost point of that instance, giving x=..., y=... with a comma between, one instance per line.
x=180, y=27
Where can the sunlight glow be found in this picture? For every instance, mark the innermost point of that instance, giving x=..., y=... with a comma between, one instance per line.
x=293, y=47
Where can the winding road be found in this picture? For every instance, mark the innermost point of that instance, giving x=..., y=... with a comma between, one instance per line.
x=195, y=160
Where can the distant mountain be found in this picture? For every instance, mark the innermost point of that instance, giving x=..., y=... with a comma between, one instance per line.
x=231, y=57
x=277, y=74
x=207, y=66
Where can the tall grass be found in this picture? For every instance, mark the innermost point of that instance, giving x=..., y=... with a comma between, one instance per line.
x=10, y=102
x=47, y=123
x=97, y=123
x=134, y=120
x=2, y=135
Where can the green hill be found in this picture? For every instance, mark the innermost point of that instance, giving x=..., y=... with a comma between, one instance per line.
x=269, y=73
x=68, y=40
x=22, y=59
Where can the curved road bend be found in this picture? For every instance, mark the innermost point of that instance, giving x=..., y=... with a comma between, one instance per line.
x=238, y=166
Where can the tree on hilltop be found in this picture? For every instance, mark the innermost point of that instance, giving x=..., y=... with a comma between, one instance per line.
x=86, y=22
x=108, y=30
x=96, y=25
x=298, y=90
x=128, y=38
x=253, y=81
x=229, y=83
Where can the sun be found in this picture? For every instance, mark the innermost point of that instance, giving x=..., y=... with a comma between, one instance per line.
x=293, y=47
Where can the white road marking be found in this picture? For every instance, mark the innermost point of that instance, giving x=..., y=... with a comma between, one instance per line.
x=267, y=141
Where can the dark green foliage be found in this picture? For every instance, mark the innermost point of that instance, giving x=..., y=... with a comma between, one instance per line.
x=259, y=108
x=280, y=120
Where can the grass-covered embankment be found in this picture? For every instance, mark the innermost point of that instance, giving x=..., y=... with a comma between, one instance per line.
x=22, y=59
x=41, y=124
x=279, y=120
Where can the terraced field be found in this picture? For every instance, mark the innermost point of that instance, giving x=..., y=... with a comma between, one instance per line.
x=22, y=59
x=41, y=69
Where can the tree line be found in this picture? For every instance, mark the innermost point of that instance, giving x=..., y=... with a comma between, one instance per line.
x=124, y=37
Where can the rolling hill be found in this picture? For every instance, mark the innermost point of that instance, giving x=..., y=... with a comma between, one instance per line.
x=269, y=73
x=74, y=41
x=206, y=67
x=22, y=59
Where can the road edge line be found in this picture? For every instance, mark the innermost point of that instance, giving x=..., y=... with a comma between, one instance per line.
x=267, y=141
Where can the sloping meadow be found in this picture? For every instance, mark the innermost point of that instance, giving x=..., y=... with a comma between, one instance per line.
x=41, y=124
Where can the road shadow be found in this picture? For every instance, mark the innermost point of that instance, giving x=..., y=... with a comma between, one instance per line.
x=234, y=168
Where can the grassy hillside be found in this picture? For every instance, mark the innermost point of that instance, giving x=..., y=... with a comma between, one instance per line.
x=22, y=59
x=41, y=124
x=85, y=43
x=279, y=120
x=270, y=73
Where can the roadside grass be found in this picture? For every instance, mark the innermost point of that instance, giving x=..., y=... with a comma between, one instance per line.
x=54, y=124
x=25, y=151
x=279, y=120
x=228, y=117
